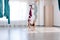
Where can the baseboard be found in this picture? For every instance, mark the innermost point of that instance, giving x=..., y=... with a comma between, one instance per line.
x=19, y=25
x=40, y=25
x=55, y=26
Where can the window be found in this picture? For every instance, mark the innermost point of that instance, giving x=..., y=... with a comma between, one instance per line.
x=18, y=10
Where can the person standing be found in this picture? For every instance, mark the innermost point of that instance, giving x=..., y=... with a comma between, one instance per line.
x=35, y=14
x=30, y=16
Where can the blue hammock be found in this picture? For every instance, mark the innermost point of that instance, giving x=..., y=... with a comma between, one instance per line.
x=1, y=9
x=7, y=10
x=59, y=4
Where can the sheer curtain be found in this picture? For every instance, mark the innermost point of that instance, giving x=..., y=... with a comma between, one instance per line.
x=19, y=11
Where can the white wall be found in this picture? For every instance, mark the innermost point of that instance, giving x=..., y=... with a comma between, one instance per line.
x=56, y=13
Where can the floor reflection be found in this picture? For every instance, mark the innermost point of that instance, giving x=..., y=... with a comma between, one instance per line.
x=40, y=33
x=18, y=34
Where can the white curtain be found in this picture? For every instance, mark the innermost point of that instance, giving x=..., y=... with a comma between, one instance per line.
x=18, y=10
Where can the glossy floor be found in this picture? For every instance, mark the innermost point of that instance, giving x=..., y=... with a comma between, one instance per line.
x=41, y=33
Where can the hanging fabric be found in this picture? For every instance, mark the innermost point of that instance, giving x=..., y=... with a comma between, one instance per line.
x=59, y=4
x=1, y=8
x=7, y=10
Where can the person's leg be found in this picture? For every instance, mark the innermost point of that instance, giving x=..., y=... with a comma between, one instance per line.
x=28, y=23
x=34, y=21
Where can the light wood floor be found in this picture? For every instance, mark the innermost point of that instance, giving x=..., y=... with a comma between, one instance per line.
x=41, y=33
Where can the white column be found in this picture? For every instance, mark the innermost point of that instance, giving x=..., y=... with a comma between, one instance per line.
x=56, y=13
x=48, y=13
x=41, y=12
